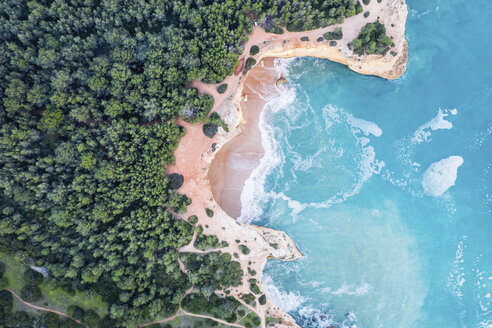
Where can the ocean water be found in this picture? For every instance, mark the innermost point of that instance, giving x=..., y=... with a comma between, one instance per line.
x=385, y=186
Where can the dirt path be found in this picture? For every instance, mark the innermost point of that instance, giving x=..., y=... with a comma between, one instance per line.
x=182, y=313
x=41, y=308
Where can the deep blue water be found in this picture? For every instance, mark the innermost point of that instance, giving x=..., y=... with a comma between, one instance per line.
x=364, y=174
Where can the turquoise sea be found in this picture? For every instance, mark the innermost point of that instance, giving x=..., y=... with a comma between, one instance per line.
x=385, y=186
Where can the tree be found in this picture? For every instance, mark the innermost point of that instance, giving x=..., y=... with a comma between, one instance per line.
x=31, y=293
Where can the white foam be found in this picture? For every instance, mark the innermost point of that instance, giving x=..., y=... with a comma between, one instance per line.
x=366, y=127
x=254, y=192
x=438, y=122
x=441, y=175
x=286, y=301
x=349, y=289
x=456, y=278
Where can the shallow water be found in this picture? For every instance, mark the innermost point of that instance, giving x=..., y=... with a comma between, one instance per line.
x=385, y=186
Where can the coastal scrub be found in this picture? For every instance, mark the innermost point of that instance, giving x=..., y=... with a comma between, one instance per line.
x=372, y=40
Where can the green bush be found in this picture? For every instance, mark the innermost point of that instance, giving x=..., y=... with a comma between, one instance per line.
x=6, y=302
x=193, y=219
x=210, y=130
x=76, y=312
x=366, y=14
x=372, y=39
x=262, y=299
x=222, y=88
x=253, y=286
x=4, y=282
x=333, y=43
x=32, y=277
x=176, y=180
x=379, y=1
x=244, y=249
x=305, y=38
x=209, y=212
x=337, y=34
x=49, y=319
x=254, y=50
x=91, y=319
x=249, y=298
x=31, y=293
x=320, y=39
x=366, y=2
x=20, y=319
x=358, y=8
x=250, y=62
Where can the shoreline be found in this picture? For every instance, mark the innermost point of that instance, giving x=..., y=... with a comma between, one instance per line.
x=195, y=156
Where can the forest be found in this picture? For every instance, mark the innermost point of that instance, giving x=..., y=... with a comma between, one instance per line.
x=90, y=91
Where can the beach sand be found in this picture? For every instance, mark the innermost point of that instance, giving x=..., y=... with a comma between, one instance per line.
x=236, y=160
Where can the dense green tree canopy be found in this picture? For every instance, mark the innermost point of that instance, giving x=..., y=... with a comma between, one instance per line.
x=372, y=40
x=89, y=94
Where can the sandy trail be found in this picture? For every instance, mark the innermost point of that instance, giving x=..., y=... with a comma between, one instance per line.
x=42, y=308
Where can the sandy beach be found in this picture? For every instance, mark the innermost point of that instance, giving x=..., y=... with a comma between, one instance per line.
x=236, y=160
x=215, y=169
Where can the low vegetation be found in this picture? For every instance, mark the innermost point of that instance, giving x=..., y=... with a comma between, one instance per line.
x=337, y=34
x=250, y=62
x=254, y=50
x=372, y=40
x=222, y=88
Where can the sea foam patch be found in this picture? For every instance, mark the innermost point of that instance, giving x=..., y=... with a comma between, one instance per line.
x=438, y=122
x=441, y=175
x=286, y=301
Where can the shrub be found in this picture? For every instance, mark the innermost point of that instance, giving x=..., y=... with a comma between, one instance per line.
x=49, y=319
x=4, y=282
x=31, y=293
x=337, y=34
x=254, y=50
x=250, y=62
x=333, y=43
x=21, y=319
x=244, y=249
x=210, y=130
x=262, y=299
x=358, y=8
x=176, y=180
x=222, y=88
x=366, y=14
x=372, y=39
x=248, y=298
x=76, y=312
x=91, y=319
x=379, y=1
x=366, y=2
x=214, y=118
x=305, y=38
x=393, y=53
x=320, y=39
x=209, y=212
x=6, y=302
x=193, y=219
x=2, y=269
x=32, y=277
x=253, y=286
